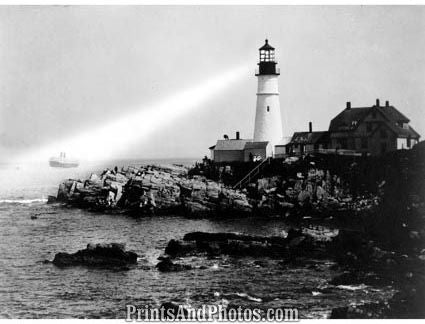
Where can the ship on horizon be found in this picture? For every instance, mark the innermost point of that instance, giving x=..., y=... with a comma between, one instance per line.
x=63, y=162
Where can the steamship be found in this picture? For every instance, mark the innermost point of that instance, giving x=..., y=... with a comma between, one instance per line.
x=62, y=162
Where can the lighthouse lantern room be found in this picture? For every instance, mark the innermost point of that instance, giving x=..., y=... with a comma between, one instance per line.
x=267, y=64
x=268, y=124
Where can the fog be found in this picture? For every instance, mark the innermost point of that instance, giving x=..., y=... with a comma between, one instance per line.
x=69, y=71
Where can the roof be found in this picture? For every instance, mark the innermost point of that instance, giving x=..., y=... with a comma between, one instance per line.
x=400, y=131
x=266, y=46
x=238, y=145
x=231, y=145
x=349, y=119
x=393, y=114
x=308, y=137
x=256, y=145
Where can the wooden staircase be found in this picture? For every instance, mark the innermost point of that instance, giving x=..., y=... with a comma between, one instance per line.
x=252, y=174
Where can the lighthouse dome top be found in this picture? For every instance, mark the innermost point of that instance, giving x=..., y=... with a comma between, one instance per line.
x=266, y=47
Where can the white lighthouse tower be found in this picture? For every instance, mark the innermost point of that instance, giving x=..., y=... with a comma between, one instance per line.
x=268, y=123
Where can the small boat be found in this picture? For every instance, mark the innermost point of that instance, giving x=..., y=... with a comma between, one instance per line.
x=63, y=162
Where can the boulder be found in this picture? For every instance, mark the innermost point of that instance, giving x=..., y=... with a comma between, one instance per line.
x=97, y=255
x=62, y=194
x=51, y=199
x=237, y=245
x=178, y=248
x=166, y=265
x=196, y=208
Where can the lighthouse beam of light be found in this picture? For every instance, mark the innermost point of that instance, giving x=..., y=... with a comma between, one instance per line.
x=112, y=138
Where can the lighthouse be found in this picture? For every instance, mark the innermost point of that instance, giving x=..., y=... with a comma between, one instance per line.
x=268, y=123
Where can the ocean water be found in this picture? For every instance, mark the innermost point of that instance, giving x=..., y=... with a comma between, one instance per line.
x=30, y=288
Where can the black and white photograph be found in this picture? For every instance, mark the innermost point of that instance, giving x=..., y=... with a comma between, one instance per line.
x=241, y=162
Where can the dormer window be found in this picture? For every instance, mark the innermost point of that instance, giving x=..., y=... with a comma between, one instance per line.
x=354, y=123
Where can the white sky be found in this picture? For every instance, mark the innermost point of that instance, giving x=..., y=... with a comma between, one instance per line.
x=66, y=71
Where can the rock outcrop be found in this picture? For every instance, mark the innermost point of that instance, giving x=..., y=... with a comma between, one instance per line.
x=166, y=265
x=154, y=190
x=294, y=244
x=97, y=255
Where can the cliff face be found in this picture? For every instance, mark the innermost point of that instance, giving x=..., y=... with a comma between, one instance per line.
x=153, y=189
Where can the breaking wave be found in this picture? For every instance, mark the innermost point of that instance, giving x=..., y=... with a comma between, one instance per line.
x=23, y=201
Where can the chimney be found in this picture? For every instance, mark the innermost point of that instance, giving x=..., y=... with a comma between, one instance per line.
x=237, y=135
x=310, y=127
x=348, y=105
x=377, y=102
x=387, y=103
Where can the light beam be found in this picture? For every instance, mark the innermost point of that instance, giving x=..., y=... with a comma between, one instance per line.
x=110, y=139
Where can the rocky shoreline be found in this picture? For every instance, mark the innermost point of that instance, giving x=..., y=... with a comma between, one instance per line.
x=148, y=190
x=360, y=263
x=169, y=190
x=381, y=236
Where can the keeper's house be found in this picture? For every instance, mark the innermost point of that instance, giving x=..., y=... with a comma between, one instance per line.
x=365, y=130
x=375, y=130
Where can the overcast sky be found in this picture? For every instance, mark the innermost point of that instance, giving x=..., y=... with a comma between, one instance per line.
x=67, y=70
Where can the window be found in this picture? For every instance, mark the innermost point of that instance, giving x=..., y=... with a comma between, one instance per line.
x=343, y=143
x=368, y=127
x=374, y=114
x=268, y=108
x=364, y=142
x=383, y=133
x=409, y=141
